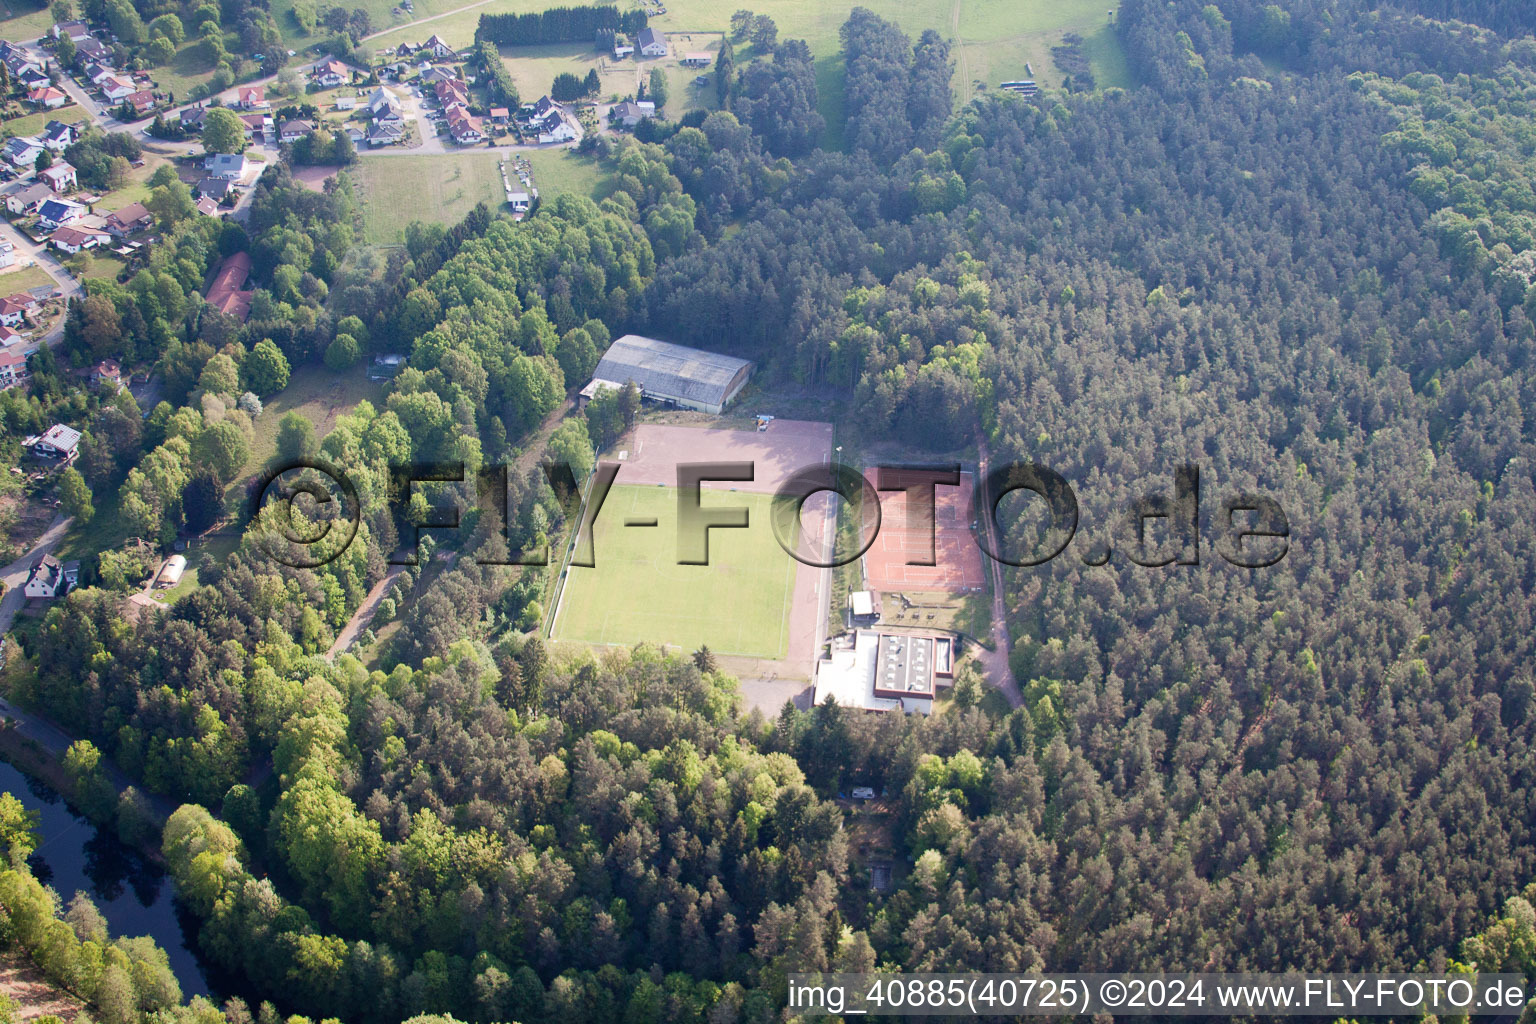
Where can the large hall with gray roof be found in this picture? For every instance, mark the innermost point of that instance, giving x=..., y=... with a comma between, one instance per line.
x=688, y=378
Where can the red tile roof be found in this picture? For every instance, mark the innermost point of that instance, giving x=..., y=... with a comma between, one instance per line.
x=225, y=293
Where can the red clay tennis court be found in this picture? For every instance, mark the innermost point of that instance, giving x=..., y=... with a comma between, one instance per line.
x=958, y=568
x=655, y=450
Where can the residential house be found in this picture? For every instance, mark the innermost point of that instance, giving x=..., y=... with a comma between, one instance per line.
x=25, y=198
x=500, y=116
x=466, y=130
x=142, y=101
x=293, y=131
x=384, y=106
x=230, y=166
x=556, y=130
x=107, y=374
x=13, y=368
x=544, y=107
x=57, y=442
x=215, y=188
x=432, y=76
x=57, y=213
x=226, y=293
x=131, y=218
x=58, y=136
x=21, y=151
x=47, y=97
x=51, y=578
x=251, y=97
x=193, y=118
x=385, y=133
x=28, y=302
x=76, y=30
x=435, y=47
x=259, y=125
x=622, y=50
x=72, y=239
x=208, y=206
x=19, y=62
x=330, y=74
x=629, y=113
x=13, y=314
x=60, y=177
x=652, y=43
x=116, y=88
x=452, y=91
x=98, y=73
x=93, y=49
x=404, y=50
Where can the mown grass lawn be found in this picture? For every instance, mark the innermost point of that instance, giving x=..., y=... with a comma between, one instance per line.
x=105, y=266
x=107, y=529
x=557, y=171
x=192, y=66
x=438, y=189
x=137, y=188
x=201, y=553
x=31, y=124
x=737, y=604
x=23, y=22
x=533, y=68
x=441, y=189
x=25, y=279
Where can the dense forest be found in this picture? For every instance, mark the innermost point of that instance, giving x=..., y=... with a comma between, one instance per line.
x=1299, y=253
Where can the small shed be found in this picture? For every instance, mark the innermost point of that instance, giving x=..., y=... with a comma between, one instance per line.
x=171, y=572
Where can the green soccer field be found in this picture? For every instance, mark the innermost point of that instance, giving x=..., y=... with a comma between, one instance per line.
x=738, y=604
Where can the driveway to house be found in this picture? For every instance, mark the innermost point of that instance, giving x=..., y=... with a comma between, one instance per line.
x=15, y=574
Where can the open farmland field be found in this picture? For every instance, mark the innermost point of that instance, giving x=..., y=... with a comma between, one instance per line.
x=441, y=189
x=438, y=189
x=557, y=171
